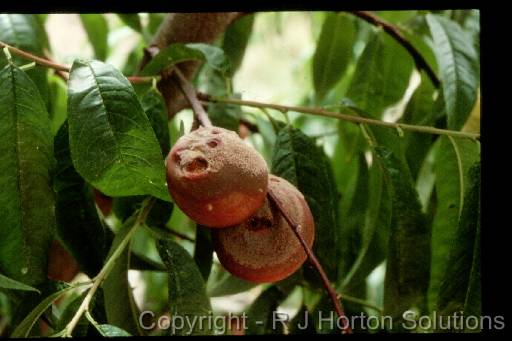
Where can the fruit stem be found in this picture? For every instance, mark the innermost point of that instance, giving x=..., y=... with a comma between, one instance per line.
x=191, y=95
x=335, y=298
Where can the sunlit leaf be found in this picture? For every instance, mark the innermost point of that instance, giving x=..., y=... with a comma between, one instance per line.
x=333, y=52
x=112, y=144
x=459, y=68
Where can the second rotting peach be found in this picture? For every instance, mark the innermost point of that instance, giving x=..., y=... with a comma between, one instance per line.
x=264, y=248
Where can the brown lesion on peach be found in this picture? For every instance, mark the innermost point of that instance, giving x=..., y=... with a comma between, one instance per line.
x=259, y=223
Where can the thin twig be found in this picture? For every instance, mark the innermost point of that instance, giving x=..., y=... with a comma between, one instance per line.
x=34, y=58
x=394, y=32
x=340, y=116
x=314, y=261
x=191, y=95
x=60, y=69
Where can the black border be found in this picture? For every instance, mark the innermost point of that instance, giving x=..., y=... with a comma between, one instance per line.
x=130, y=6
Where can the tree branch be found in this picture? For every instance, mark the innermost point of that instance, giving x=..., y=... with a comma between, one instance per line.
x=185, y=28
x=191, y=95
x=314, y=261
x=34, y=58
x=339, y=116
x=60, y=69
x=393, y=31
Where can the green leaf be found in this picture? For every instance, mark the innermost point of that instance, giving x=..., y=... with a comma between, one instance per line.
x=346, y=162
x=460, y=289
x=203, y=251
x=420, y=110
x=132, y=20
x=154, y=106
x=223, y=284
x=396, y=17
x=362, y=217
x=109, y=330
x=8, y=283
x=416, y=31
x=382, y=75
x=78, y=225
x=187, y=292
x=119, y=302
x=236, y=39
x=407, y=267
x=297, y=159
x=177, y=53
x=143, y=263
x=352, y=220
x=458, y=63
x=334, y=51
x=69, y=312
x=453, y=159
x=58, y=111
x=27, y=218
x=472, y=26
x=260, y=315
x=25, y=32
x=375, y=231
x=158, y=217
x=155, y=20
x=23, y=329
x=96, y=27
x=113, y=146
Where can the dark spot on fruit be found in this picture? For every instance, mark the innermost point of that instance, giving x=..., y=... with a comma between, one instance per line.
x=197, y=165
x=213, y=143
x=259, y=223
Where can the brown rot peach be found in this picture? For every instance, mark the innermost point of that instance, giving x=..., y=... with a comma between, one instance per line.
x=215, y=177
x=264, y=248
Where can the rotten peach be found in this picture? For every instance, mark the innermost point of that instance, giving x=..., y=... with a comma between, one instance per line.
x=215, y=177
x=264, y=248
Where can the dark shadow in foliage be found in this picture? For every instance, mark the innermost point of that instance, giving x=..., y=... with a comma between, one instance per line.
x=78, y=225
